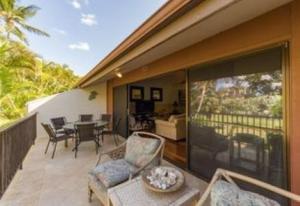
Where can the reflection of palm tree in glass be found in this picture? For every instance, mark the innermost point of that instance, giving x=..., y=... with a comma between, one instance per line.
x=253, y=94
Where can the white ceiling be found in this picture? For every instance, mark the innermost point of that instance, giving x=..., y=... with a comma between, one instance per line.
x=240, y=12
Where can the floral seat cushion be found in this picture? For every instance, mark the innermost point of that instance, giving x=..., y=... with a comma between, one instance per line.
x=140, y=150
x=226, y=194
x=113, y=172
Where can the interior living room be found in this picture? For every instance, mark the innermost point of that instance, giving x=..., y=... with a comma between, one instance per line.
x=159, y=105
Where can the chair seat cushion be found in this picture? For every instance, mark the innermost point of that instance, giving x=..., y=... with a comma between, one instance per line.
x=113, y=172
x=226, y=194
x=60, y=137
x=140, y=150
x=60, y=131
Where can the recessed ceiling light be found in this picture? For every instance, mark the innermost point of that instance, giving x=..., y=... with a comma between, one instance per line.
x=119, y=74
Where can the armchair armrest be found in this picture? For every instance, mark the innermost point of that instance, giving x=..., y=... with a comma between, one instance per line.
x=116, y=153
x=180, y=121
x=164, y=123
x=139, y=170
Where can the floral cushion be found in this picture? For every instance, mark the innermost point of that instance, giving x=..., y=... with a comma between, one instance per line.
x=226, y=194
x=113, y=172
x=140, y=150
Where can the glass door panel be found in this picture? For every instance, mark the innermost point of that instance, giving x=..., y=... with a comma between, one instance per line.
x=236, y=118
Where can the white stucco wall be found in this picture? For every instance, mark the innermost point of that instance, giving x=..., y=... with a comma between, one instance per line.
x=68, y=104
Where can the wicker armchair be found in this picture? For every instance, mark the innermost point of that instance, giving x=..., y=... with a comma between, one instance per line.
x=98, y=187
x=224, y=192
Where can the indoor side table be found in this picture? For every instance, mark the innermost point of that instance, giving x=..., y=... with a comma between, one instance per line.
x=134, y=193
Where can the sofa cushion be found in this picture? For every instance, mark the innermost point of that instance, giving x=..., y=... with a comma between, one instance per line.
x=140, y=150
x=226, y=194
x=113, y=172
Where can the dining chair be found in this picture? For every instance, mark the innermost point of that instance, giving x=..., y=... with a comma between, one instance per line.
x=106, y=117
x=54, y=137
x=85, y=133
x=112, y=132
x=85, y=117
x=58, y=123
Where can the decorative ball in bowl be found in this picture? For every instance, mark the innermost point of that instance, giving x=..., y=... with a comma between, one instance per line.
x=163, y=179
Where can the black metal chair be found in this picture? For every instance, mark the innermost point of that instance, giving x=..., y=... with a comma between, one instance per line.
x=106, y=117
x=54, y=137
x=84, y=133
x=113, y=132
x=85, y=117
x=58, y=124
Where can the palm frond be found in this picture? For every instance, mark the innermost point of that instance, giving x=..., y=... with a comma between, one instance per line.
x=7, y=5
x=26, y=12
x=33, y=29
x=18, y=33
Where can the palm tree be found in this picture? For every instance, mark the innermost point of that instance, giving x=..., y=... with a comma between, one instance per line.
x=14, y=18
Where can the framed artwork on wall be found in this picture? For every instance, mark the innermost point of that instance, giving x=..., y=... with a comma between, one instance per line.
x=136, y=93
x=156, y=94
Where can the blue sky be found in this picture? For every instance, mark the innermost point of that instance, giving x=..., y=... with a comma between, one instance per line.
x=82, y=32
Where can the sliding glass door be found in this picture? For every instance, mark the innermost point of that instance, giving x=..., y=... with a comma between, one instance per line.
x=120, y=104
x=236, y=117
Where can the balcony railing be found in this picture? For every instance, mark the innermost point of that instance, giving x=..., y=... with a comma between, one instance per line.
x=230, y=124
x=15, y=142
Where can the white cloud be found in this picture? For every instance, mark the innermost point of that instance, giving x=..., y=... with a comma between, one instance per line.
x=60, y=31
x=88, y=19
x=77, y=3
x=84, y=46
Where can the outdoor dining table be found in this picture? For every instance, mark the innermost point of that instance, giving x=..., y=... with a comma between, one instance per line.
x=99, y=125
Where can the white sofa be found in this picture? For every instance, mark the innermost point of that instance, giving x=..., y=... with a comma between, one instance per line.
x=174, y=128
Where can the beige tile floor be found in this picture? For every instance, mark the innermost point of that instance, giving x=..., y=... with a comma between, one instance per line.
x=61, y=181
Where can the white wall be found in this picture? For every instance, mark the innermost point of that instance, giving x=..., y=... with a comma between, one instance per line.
x=68, y=104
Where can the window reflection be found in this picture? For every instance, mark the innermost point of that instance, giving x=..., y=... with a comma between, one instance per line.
x=236, y=120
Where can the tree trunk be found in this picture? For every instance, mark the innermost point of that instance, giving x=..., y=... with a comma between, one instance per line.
x=204, y=87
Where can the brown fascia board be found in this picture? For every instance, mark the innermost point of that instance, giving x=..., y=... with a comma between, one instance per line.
x=168, y=13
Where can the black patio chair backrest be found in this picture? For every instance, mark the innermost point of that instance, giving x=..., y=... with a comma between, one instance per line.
x=49, y=130
x=58, y=122
x=85, y=132
x=106, y=117
x=85, y=117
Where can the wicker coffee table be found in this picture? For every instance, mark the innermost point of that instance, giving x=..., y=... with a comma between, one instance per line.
x=134, y=193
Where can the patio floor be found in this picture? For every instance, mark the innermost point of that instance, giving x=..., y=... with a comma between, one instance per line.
x=61, y=181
